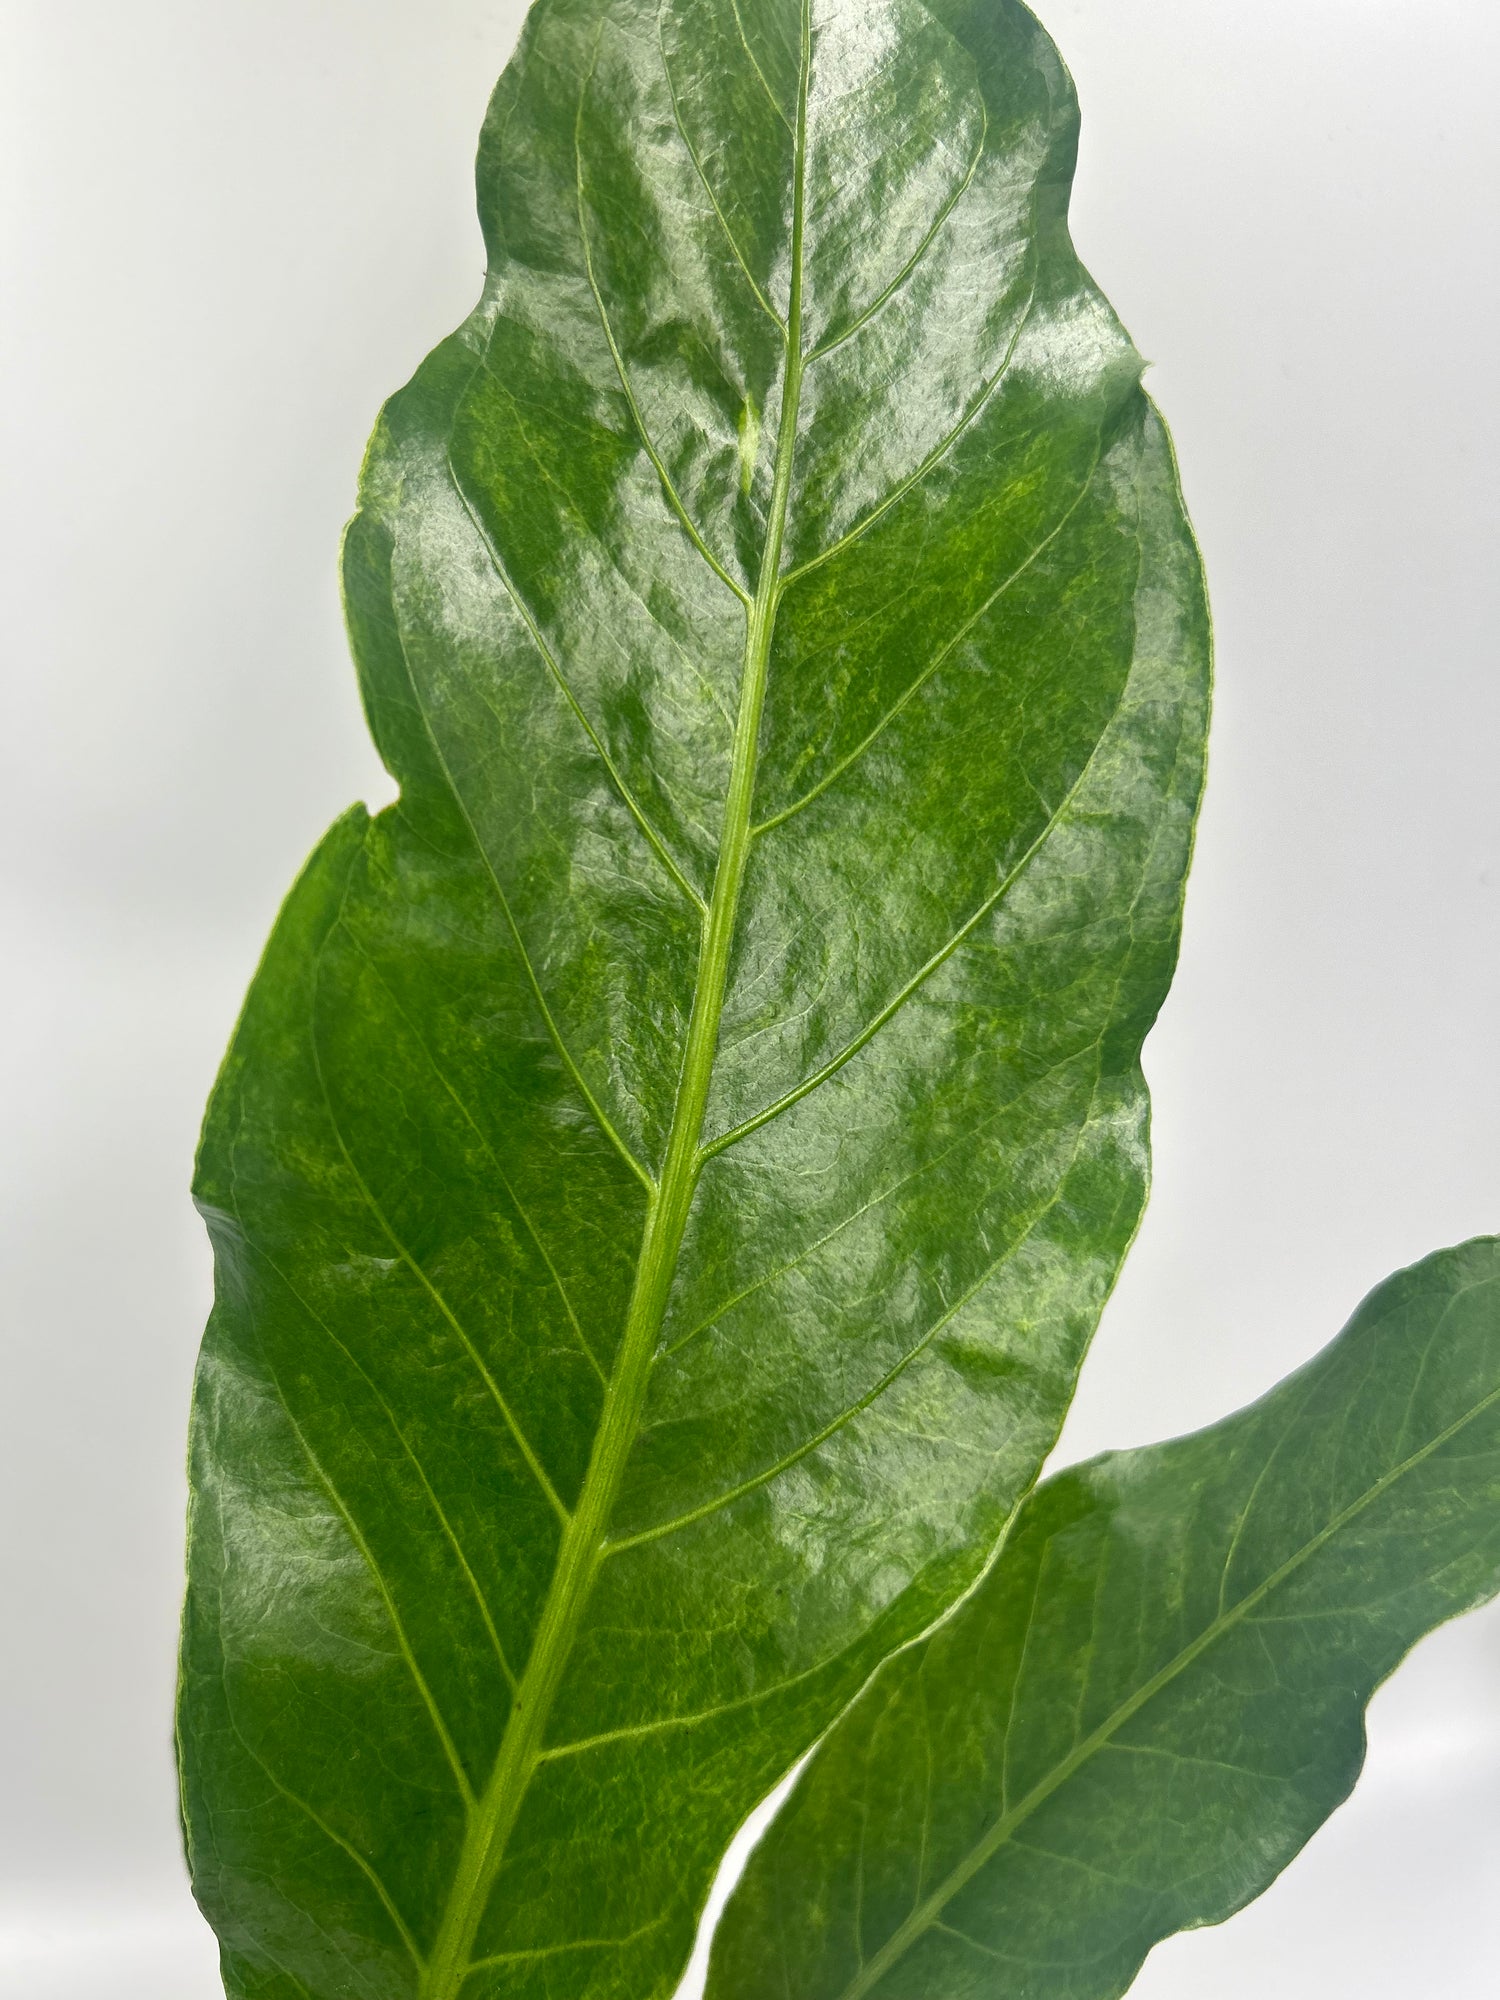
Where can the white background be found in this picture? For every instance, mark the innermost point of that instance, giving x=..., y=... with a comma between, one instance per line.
x=231, y=227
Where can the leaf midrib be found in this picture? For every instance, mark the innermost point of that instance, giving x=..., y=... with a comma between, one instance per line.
x=583, y=1541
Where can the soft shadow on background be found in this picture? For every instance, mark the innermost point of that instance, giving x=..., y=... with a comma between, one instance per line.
x=230, y=230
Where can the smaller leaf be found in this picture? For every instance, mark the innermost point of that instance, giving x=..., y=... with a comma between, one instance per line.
x=1157, y=1694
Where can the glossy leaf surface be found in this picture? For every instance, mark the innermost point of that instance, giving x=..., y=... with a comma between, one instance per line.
x=1157, y=1695
x=671, y=1163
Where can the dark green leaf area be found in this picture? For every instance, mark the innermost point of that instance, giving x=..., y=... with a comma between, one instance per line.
x=956, y=1170
x=1157, y=1695
x=671, y=1163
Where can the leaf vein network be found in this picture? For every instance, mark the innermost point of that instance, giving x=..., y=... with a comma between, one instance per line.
x=674, y=498
x=549, y=659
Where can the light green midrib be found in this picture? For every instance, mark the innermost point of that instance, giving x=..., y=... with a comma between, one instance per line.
x=583, y=1541
x=930, y=1909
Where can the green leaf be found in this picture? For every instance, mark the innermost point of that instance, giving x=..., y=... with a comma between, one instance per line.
x=1157, y=1694
x=671, y=1163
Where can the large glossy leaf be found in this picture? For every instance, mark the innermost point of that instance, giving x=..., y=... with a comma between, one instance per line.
x=1157, y=1695
x=671, y=1163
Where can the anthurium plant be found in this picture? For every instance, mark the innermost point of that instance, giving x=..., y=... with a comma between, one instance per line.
x=672, y=1161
